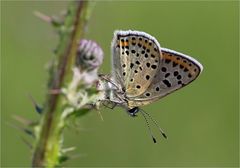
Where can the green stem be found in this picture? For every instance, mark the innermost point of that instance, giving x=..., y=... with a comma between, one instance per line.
x=48, y=146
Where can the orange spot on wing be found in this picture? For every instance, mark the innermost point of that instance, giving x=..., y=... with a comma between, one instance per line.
x=124, y=43
x=180, y=62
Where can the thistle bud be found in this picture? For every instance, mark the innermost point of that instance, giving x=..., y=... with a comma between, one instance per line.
x=89, y=55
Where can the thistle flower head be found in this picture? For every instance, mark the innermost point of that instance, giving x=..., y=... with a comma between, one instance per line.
x=89, y=55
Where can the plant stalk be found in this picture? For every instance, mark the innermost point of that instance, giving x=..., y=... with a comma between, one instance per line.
x=49, y=133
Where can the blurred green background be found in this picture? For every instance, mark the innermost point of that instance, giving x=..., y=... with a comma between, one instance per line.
x=200, y=120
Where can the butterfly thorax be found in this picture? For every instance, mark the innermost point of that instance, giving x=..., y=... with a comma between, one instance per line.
x=116, y=94
x=112, y=91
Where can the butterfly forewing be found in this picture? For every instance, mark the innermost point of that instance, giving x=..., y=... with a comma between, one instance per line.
x=136, y=58
x=175, y=71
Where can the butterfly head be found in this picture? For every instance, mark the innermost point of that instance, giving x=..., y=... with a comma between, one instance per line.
x=132, y=112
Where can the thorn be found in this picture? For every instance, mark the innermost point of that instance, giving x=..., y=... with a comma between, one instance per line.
x=29, y=145
x=55, y=21
x=13, y=126
x=43, y=17
x=22, y=120
x=29, y=132
x=77, y=156
x=65, y=158
x=37, y=107
x=70, y=149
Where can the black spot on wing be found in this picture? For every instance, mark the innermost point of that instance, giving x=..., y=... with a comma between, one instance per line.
x=167, y=83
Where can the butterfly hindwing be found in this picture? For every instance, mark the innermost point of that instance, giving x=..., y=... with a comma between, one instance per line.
x=176, y=71
x=136, y=57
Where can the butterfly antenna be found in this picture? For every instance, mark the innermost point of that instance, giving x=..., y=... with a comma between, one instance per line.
x=155, y=122
x=150, y=131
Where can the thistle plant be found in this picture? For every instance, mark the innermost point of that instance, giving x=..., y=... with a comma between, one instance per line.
x=71, y=86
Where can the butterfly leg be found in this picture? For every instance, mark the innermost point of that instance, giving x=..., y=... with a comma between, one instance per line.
x=109, y=104
x=109, y=80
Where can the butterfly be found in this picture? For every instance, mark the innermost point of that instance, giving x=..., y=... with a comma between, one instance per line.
x=143, y=72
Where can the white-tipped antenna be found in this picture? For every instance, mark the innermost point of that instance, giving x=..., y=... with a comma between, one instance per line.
x=155, y=122
x=150, y=131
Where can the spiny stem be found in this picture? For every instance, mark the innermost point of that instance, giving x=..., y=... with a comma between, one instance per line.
x=48, y=145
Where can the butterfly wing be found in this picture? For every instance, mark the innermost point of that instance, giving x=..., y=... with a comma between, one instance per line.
x=176, y=71
x=117, y=61
x=136, y=57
